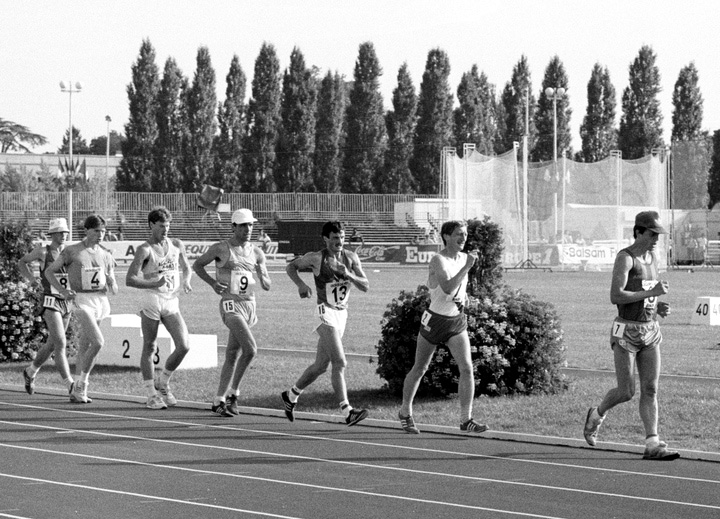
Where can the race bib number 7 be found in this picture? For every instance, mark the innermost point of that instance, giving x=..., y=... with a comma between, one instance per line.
x=618, y=329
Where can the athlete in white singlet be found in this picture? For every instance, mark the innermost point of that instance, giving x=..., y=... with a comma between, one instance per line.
x=236, y=262
x=444, y=322
x=91, y=275
x=156, y=270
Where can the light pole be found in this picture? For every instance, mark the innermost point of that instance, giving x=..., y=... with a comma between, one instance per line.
x=555, y=93
x=70, y=89
x=107, y=162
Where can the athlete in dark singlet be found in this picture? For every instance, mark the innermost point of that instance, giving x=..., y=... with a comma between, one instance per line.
x=635, y=335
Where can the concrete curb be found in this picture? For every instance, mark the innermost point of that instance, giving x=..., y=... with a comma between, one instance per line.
x=393, y=424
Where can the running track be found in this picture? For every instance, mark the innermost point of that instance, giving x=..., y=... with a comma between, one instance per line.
x=116, y=459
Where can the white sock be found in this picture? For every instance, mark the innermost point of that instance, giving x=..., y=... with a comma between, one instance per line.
x=294, y=393
x=32, y=370
x=652, y=441
x=150, y=387
x=345, y=407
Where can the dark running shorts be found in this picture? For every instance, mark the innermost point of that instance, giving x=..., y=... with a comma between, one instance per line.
x=50, y=302
x=438, y=329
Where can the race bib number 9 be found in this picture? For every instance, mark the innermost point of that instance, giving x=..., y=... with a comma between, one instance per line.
x=62, y=278
x=93, y=278
x=241, y=282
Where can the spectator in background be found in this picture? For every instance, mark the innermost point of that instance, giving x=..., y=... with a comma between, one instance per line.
x=264, y=240
x=357, y=237
x=701, y=250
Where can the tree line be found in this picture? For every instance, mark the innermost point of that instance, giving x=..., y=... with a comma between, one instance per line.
x=300, y=131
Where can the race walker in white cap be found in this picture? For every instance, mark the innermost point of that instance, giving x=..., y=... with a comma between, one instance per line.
x=54, y=309
x=236, y=259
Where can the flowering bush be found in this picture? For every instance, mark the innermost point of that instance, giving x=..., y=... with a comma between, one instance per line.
x=515, y=339
x=21, y=330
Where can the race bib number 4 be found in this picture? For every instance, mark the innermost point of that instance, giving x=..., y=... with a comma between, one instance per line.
x=241, y=282
x=93, y=278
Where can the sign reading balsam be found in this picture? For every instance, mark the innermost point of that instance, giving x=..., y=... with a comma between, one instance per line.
x=706, y=311
x=124, y=344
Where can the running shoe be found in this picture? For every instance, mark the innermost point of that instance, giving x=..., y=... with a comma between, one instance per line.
x=155, y=402
x=231, y=405
x=356, y=416
x=408, y=424
x=590, y=430
x=660, y=452
x=29, y=382
x=472, y=426
x=221, y=410
x=79, y=394
x=289, y=406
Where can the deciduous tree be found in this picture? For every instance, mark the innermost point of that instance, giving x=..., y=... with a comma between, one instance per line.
x=231, y=119
x=598, y=131
x=329, y=133
x=544, y=149
x=401, y=121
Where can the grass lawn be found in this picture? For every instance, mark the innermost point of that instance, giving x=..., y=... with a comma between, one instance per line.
x=688, y=408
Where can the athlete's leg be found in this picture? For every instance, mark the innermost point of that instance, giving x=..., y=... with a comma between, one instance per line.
x=423, y=355
x=331, y=343
x=149, y=330
x=318, y=367
x=92, y=339
x=624, y=373
x=240, y=352
x=459, y=346
x=648, y=365
x=177, y=328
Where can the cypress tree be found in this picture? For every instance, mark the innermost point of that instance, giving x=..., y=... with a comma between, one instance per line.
x=598, y=131
x=172, y=129
x=516, y=95
x=544, y=149
x=329, y=131
x=263, y=119
x=366, y=134
x=137, y=167
x=435, y=122
x=231, y=120
x=400, y=122
x=641, y=120
x=296, y=139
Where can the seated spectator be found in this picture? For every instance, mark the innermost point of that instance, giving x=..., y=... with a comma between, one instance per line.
x=264, y=240
x=357, y=237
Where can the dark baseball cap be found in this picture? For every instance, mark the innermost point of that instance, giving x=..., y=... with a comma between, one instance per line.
x=650, y=220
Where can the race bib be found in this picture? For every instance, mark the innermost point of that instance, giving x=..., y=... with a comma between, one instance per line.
x=425, y=319
x=228, y=306
x=241, y=282
x=618, y=329
x=62, y=278
x=93, y=278
x=337, y=292
x=50, y=302
x=649, y=284
x=170, y=272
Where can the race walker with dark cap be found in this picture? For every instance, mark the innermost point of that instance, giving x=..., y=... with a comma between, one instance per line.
x=635, y=334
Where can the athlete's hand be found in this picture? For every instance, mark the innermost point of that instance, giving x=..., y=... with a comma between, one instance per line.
x=472, y=257
x=219, y=288
x=663, y=309
x=187, y=288
x=304, y=291
x=660, y=288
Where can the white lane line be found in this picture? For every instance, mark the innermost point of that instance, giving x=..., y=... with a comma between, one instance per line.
x=148, y=497
x=253, y=478
x=196, y=425
x=355, y=464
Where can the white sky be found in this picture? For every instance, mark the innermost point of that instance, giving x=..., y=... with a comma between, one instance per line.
x=96, y=42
